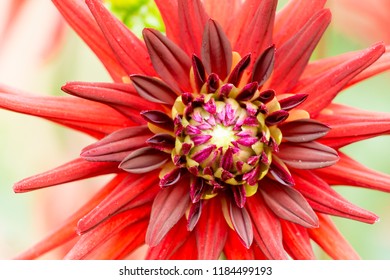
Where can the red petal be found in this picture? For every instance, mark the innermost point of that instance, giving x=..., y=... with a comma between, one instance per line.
x=240, y=19
x=168, y=207
x=291, y=102
x=276, y=117
x=266, y=227
x=192, y=20
x=326, y=200
x=172, y=242
x=256, y=33
x=212, y=83
x=267, y=95
x=238, y=71
x=239, y=194
x=319, y=66
x=81, y=20
x=187, y=251
x=171, y=63
x=153, y=89
x=117, y=145
x=143, y=160
x=121, y=97
x=296, y=241
x=264, y=65
x=199, y=74
x=66, y=231
x=323, y=88
x=235, y=250
x=349, y=125
x=331, y=241
x=194, y=215
x=292, y=57
x=121, y=244
x=379, y=66
x=95, y=118
x=197, y=186
x=288, y=204
x=247, y=92
x=128, y=49
x=350, y=172
x=77, y=169
x=162, y=142
x=171, y=178
x=292, y=17
x=280, y=173
x=125, y=195
x=211, y=231
x=169, y=13
x=159, y=119
x=304, y=130
x=95, y=238
x=216, y=50
x=242, y=224
x=222, y=11
x=311, y=155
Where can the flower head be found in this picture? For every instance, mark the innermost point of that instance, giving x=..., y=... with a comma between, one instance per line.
x=223, y=135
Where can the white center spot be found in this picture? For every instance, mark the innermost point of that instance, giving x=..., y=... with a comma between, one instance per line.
x=222, y=136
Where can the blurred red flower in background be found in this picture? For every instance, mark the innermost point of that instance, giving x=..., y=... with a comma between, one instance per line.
x=366, y=21
x=38, y=46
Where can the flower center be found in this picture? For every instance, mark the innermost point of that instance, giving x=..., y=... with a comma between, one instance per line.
x=227, y=137
x=222, y=136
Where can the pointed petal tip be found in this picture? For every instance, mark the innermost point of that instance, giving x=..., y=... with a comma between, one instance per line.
x=147, y=31
x=236, y=74
x=292, y=101
x=371, y=218
x=65, y=87
x=153, y=89
x=379, y=45
x=375, y=219
x=74, y=170
x=216, y=51
x=170, y=62
x=19, y=187
x=143, y=160
x=194, y=215
x=303, y=130
x=264, y=65
x=242, y=224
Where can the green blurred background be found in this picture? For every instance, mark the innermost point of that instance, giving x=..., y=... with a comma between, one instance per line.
x=30, y=145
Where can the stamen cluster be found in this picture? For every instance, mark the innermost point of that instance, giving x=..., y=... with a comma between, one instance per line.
x=226, y=135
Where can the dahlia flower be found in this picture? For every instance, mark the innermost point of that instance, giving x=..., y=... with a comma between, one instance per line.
x=223, y=137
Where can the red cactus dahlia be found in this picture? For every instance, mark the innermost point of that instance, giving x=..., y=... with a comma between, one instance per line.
x=223, y=135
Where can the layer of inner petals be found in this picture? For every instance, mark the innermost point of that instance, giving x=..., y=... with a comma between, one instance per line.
x=224, y=140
